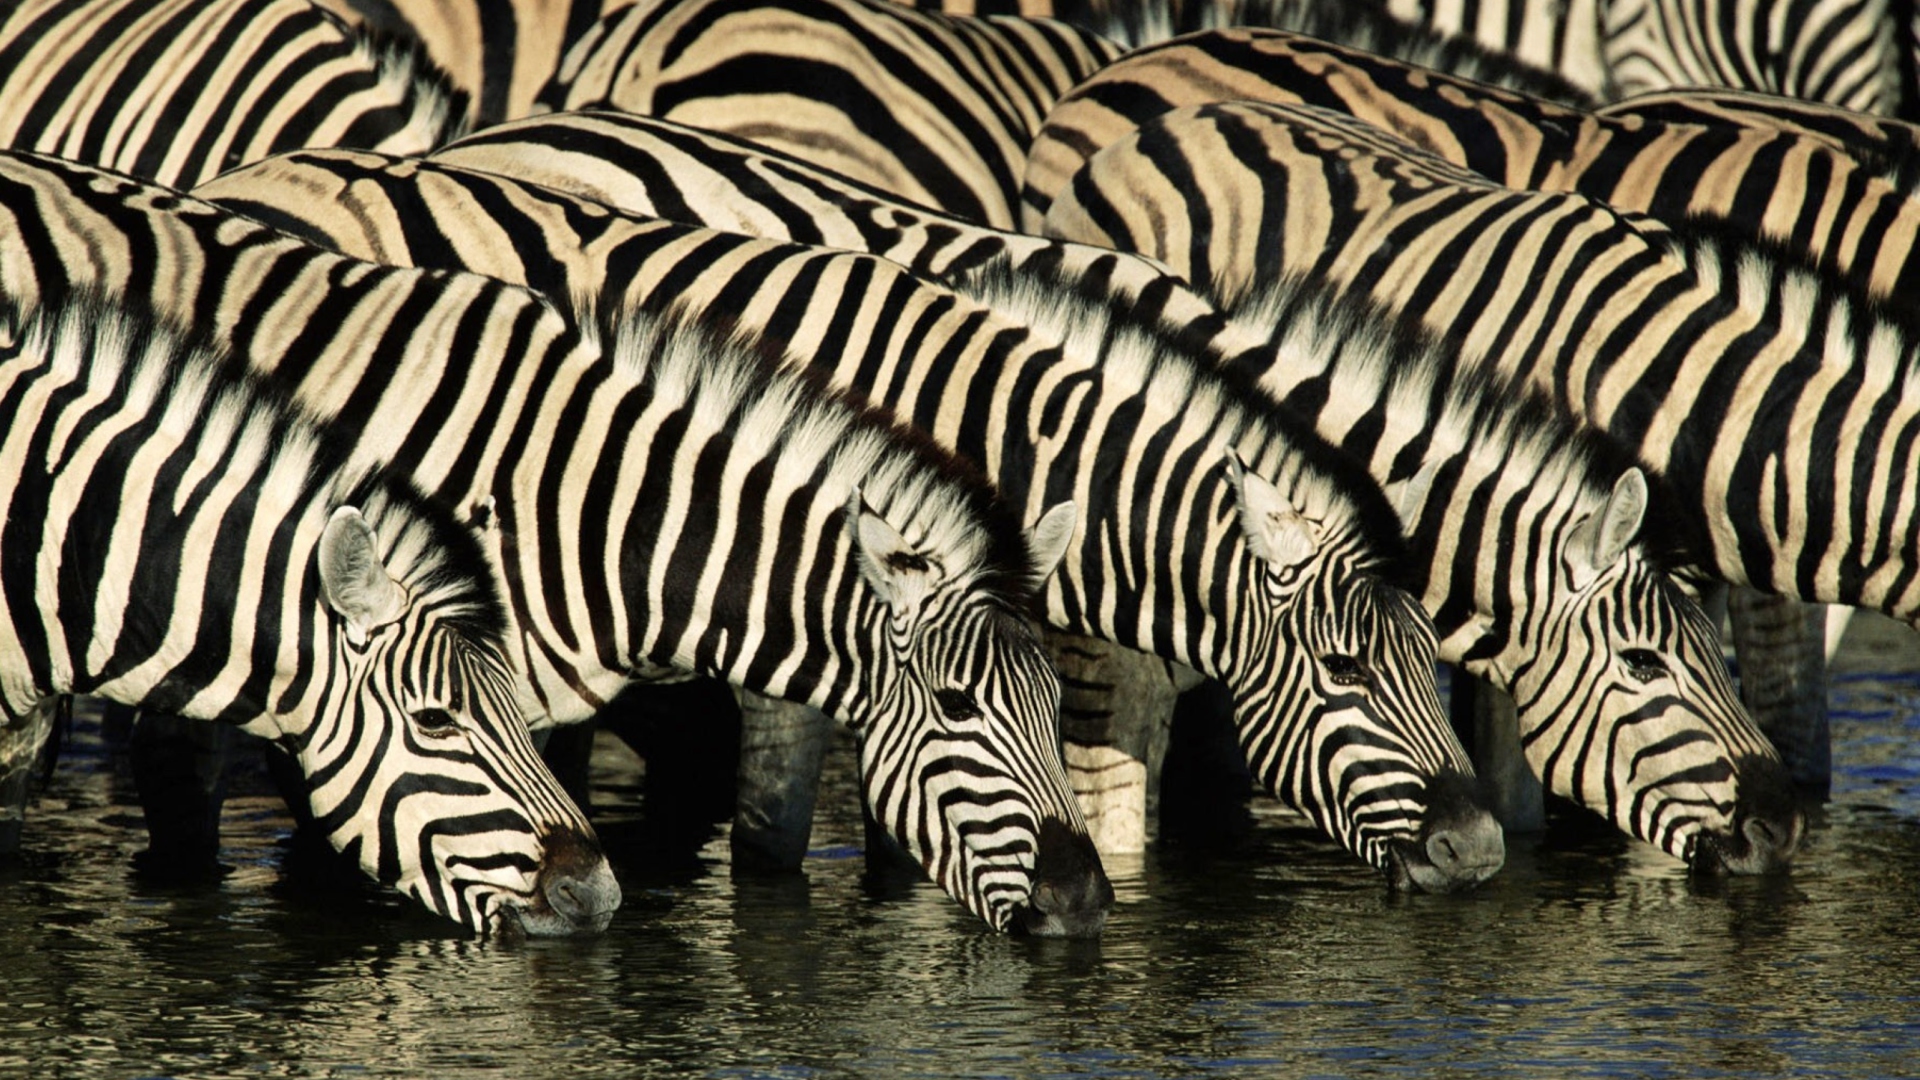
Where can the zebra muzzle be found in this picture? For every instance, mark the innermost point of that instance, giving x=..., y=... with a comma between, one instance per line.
x=1768, y=824
x=1071, y=894
x=575, y=891
x=1460, y=844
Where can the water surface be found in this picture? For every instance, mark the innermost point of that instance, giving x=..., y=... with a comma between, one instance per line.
x=1590, y=955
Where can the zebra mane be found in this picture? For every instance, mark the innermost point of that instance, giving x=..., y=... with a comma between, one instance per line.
x=1760, y=267
x=788, y=413
x=204, y=394
x=1370, y=29
x=1088, y=320
x=1470, y=405
x=442, y=111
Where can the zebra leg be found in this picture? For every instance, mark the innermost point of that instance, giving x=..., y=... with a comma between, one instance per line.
x=1489, y=724
x=688, y=733
x=781, y=747
x=1116, y=710
x=1781, y=646
x=180, y=770
x=1205, y=784
x=21, y=740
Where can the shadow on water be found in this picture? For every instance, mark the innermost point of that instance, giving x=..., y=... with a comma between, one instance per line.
x=1272, y=955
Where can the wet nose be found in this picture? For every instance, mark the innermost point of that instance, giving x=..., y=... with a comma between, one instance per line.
x=577, y=883
x=1460, y=843
x=1071, y=894
x=1767, y=823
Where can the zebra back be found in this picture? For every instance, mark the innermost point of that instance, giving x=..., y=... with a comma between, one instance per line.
x=180, y=90
x=178, y=536
x=1886, y=144
x=1370, y=27
x=500, y=53
x=766, y=530
x=1718, y=360
x=1852, y=214
x=1089, y=408
x=940, y=109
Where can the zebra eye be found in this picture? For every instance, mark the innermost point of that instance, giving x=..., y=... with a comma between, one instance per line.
x=1344, y=670
x=957, y=705
x=436, y=723
x=1644, y=664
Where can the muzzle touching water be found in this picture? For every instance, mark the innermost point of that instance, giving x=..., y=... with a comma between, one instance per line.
x=1071, y=894
x=1460, y=844
x=1767, y=824
x=574, y=893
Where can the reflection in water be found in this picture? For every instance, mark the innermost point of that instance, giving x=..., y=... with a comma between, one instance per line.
x=1590, y=955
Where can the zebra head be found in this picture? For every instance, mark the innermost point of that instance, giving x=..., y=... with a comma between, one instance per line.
x=1343, y=720
x=1625, y=704
x=960, y=741
x=419, y=762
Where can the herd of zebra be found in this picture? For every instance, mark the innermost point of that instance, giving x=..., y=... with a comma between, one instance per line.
x=406, y=381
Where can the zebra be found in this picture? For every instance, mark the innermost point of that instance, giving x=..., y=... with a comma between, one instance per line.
x=174, y=532
x=1889, y=144
x=500, y=53
x=1266, y=562
x=1782, y=184
x=1846, y=54
x=1789, y=183
x=655, y=166
x=937, y=108
x=1842, y=54
x=901, y=608
x=1721, y=359
x=178, y=91
x=1369, y=27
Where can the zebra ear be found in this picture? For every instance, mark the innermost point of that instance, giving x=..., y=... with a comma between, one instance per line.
x=1276, y=531
x=901, y=575
x=1049, y=539
x=1599, y=541
x=352, y=576
x=1414, y=495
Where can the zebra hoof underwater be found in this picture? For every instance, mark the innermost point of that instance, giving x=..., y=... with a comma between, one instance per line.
x=1766, y=828
x=1071, y=894
x=1460, y=844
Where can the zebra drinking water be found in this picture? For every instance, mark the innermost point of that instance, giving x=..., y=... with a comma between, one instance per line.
x=687, y=174
x=764, y=529
x=176, y=534
x=1258, y=557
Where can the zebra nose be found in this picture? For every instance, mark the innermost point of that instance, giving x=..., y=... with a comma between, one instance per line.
x=1767, y=823
x=577, y=883
x=1071, y=894
x=1460, y=844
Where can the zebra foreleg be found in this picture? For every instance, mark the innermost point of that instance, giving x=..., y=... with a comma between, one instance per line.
x=781, y=747
x=688, y=733
x=1488, y=722
x=180, y=770
x=1205, y=783
x=21, y=739
x=1781, y=645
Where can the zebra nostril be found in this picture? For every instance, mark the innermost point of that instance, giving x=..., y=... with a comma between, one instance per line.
x=565, y=898
x=1441, y=850
x=1047, y=898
